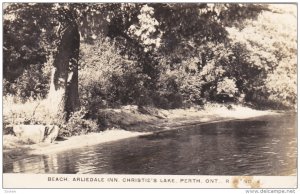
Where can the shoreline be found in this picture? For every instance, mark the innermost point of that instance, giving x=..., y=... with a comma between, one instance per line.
x=174, y=119
x=68, y=143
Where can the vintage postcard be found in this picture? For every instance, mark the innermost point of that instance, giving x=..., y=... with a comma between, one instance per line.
x=150, y=95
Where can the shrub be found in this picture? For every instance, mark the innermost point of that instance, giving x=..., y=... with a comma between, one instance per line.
x=108, y=79
x=78, y=125
x=34, y=112
x=34, y=82
x=15, y=111
x=168, y=93
x=226, y=90
x=167, y=100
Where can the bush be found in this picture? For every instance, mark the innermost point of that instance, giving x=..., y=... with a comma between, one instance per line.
x=168, y=95
x=36, y=112
x=33, y=83
x=226, y=90
x=167, y=100
x=107, y=79
x=16, y=112
x=78, y=125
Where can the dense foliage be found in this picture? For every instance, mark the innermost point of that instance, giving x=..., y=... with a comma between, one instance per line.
x=164, y=55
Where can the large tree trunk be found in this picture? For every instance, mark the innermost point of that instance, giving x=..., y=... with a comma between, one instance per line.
x=63, y=94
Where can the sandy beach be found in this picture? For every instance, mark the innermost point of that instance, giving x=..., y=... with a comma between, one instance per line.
x=14, y=150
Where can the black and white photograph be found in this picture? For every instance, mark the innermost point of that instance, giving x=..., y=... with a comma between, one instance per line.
x=148, y=94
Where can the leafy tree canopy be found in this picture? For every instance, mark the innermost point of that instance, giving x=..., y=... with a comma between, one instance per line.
x=189, y=51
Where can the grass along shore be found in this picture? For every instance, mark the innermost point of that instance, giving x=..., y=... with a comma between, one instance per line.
x=127, y=122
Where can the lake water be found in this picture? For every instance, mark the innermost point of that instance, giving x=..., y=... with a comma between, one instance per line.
x=258, y=146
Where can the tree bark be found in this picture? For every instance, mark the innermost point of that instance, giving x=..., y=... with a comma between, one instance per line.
x=63, y=94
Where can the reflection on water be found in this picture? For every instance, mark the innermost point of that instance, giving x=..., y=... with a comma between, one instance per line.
x=42, y=164
x=260, y=146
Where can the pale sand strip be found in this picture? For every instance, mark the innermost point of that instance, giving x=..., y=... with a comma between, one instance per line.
x=189, y=117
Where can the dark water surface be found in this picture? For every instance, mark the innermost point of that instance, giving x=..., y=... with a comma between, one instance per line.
x=259, y=146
